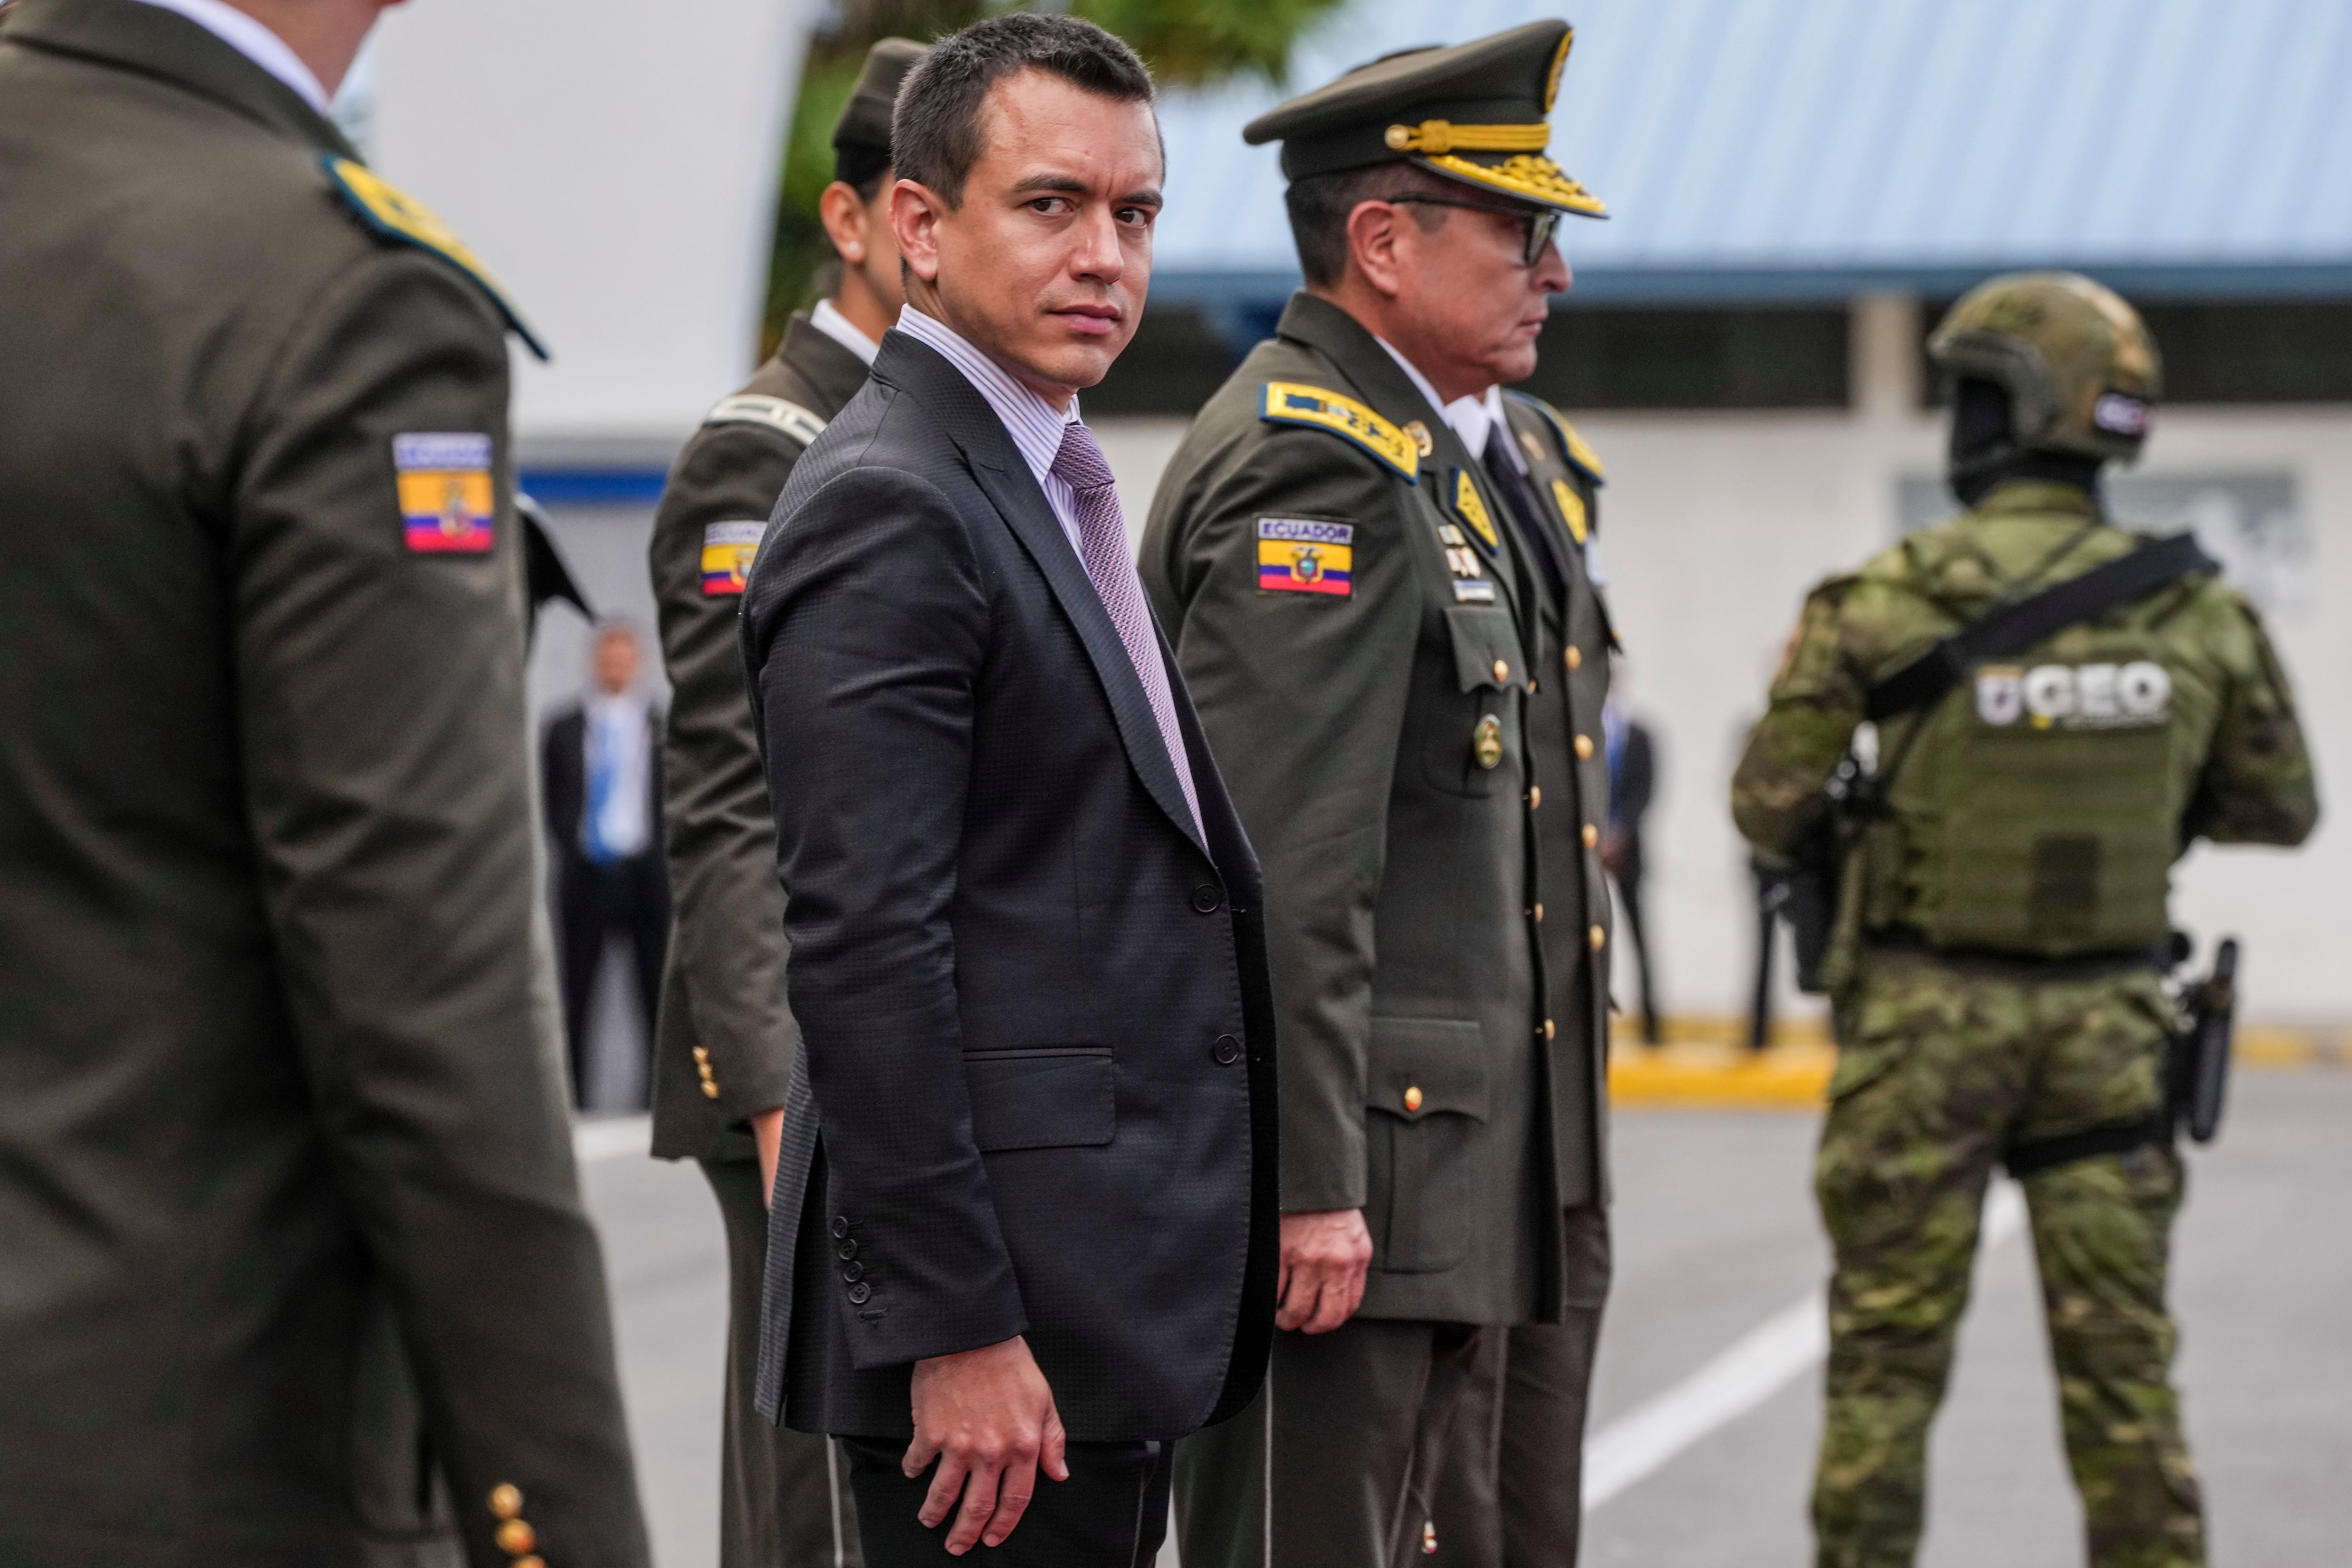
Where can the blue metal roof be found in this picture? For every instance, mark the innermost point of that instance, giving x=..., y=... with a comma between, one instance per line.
x=1792, y=149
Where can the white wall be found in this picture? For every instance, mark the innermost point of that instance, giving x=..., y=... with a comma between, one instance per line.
x=615, y=166
x=1715, y=526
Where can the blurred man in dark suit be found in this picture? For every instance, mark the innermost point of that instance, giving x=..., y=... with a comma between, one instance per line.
x=1633, y=780
x=600, y=766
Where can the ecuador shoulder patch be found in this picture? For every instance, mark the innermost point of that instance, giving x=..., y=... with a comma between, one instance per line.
x=395, y=215
x=447, y=498
x=1294, y=403
x=1302, y=555
x=728, y=549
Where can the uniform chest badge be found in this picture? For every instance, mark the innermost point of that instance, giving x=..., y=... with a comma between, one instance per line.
x=1486, y=742
x=726, y=552
x=1472, y=510
x=1572, y=510
x=1421, y=443
x=446, y=501
x=1301, y=555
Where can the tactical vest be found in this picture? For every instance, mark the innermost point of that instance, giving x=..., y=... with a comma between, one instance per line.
x=2037, y=810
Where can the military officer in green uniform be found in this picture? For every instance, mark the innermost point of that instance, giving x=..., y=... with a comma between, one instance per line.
x=1994, y=976
x=726, y=1039
x=296, y=1268
x=1372, y=567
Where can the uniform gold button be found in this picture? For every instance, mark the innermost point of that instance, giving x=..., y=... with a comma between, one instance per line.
x=1584, y=748
x=1502, y=671
x=1591, y=835
x=1412, y=1098
x=1532, y=686
x=700, y=1055
x=1538, y=912
x=515, y=1538
x=709, y=1089
x=1574, y=657
x=1535, y=796
x=529, y=1563
x=1598, y=938
x=506, y=1500
x=1551, y=1031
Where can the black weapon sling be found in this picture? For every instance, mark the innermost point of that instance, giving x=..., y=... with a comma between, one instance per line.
x=2015, y=627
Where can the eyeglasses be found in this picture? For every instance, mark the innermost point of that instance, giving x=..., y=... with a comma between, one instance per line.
x=1542, y=222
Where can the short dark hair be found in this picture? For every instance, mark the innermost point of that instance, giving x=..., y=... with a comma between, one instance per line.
x=1319, y=205
x=935, y=130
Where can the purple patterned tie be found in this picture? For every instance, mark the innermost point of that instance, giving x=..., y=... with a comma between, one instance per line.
x=1102, y=547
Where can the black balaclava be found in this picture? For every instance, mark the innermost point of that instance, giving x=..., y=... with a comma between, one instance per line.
x=1985, y=455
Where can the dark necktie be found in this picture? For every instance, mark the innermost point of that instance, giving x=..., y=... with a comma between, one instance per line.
x=1102, y=547
x=1525, y=510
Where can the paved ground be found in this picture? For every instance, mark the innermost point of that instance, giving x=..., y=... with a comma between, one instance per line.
x=1715, y=1236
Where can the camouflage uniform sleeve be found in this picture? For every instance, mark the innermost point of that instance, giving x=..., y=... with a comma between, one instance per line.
x=1816, y=702
x=728, y=952
x=2258, y=786
x=1303, y=698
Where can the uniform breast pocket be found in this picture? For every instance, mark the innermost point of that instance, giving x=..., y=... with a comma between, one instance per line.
x=1426, y=1096
x=1471, y=746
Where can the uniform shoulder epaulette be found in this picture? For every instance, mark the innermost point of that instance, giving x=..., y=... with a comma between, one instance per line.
x=397, y=215
x=1294, y=403
x=779, y=414
x=1580, y=456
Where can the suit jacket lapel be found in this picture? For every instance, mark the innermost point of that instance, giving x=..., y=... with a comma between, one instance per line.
x=1005, y=478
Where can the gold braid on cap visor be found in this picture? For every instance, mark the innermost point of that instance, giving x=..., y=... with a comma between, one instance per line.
x=1530, y=178
x=1435, y=136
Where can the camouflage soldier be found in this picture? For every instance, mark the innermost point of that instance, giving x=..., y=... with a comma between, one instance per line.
x=1994, y=973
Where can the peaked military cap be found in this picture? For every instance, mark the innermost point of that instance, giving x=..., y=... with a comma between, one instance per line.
x=861, y=137
x=1476, y=112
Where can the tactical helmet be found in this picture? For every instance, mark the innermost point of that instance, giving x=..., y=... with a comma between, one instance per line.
x=2081, y=373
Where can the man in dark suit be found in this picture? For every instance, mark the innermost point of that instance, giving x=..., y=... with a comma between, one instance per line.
x=1037, y=1228
x=727, y=1040
x=1633, y=782
x=292, y=1263
x=600, y=763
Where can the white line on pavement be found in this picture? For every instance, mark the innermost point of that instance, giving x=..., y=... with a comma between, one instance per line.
x=610, y=1136
x=1755, y=1367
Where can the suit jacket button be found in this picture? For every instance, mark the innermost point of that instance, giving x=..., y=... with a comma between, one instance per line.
x=846, y=1250
x=860, y=1292
x=840, y=1226
x=852, y=1272
x=1227, y=1050
x=1206, y=897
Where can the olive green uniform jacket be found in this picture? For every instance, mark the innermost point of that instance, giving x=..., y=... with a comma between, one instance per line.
x=1403, y=748
x=725, y=1039
x=281, y=1091
x=725, y=1036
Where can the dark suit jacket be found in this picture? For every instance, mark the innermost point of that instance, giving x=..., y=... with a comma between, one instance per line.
x=1629, y=790
x=281, y=1090
x=1033, y=1003
x=563, y=779
x=723, y=978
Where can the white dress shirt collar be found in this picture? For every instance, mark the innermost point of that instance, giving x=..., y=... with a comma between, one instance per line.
x=1034, y=425
x=837, y=327
x=256, y=42
x=1475, y=418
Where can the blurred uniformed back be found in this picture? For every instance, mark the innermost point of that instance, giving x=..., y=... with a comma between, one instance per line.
x=297, y=1271
x=1996, y=971
x=726, y=1038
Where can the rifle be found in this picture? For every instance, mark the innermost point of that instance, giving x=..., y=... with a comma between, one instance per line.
x=1804, y=890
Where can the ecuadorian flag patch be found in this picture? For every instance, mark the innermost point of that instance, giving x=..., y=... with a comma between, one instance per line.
x=1298, y=555
x=726, y=552
x=446, y=503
